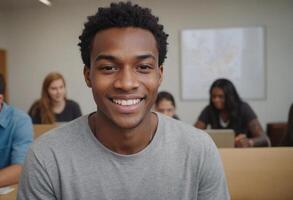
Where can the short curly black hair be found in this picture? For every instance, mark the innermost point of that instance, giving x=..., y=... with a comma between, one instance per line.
x=122, y=14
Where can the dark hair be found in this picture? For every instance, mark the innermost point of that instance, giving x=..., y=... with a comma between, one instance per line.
x=232, y=99
x=163, y=95
x=122, y=14
x=288, y=139
x=2, y=84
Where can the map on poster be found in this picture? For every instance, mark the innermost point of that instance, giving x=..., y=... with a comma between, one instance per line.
x=233, y=53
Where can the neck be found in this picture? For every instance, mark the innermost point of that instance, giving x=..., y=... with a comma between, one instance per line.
x=58, y=107
x=224, y=115
x=120, y=140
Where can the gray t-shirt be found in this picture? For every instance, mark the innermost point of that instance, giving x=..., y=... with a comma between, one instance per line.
x=181, y=162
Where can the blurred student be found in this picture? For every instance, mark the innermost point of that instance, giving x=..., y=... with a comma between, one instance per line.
x=16, y=135
x=227, y=111
x=53, y=106
x=165, y=104
x=288, y=139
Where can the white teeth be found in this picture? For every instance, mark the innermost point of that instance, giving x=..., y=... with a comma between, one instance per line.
x=128, y=102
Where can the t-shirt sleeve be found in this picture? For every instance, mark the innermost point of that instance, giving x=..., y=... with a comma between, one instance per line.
x=34, y=183
x=212, y=183
x=248, y=113
x=77, y=110
x=204, y=115
x=74, y=109
x=35, y=116
x=22, y=138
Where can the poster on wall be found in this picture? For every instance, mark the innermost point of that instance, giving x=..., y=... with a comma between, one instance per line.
x=233, y=53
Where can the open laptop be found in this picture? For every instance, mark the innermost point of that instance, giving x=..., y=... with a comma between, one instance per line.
x=223, y=138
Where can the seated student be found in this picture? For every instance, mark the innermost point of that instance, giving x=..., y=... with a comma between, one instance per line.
x=16, y=134
x=227, y=111
x=165, y=104
x=288, y=139
x=53, y=106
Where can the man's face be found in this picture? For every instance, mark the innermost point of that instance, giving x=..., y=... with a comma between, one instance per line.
x=124, y=75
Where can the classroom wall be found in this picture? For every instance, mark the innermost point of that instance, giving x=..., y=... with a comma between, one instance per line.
x=3, y=31
x=43, y=39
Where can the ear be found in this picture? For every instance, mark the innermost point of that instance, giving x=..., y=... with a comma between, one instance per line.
x=86, y=74
x=161, y=71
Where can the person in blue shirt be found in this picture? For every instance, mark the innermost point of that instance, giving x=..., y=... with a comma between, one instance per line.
x=16, y=134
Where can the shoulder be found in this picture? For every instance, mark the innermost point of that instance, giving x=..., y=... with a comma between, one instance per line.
x=72, y=103
x=208, y=109
x=247, y=112
x=35, y=107
x=64, y=132
x=184, y=135
x=19, y=115
x=62, y=138
x=207, y=113
x=245, y=107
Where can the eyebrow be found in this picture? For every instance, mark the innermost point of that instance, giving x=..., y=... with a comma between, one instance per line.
x=105, y=57
x=113, y=58
x=145, y=56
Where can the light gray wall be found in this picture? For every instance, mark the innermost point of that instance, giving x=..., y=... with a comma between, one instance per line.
x=3, y=31
x=45, y=39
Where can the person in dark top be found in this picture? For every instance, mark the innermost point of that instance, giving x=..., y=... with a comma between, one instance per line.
x=227, y=111
x=165, y=104
x=53, y=106
x=288, y=139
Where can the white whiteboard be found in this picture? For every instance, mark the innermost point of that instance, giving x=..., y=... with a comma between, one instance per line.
x=233, y=53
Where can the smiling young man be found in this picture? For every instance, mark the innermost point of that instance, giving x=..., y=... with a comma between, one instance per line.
x=123, y=150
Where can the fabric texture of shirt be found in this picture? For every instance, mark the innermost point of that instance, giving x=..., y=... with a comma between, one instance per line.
x=210, y=116
x=71, y=111
x=16, y=134
x=181, y=162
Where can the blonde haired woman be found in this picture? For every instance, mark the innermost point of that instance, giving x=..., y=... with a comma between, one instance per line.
x=53, y=106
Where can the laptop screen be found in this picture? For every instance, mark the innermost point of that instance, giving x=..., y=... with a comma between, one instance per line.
x=223, y=138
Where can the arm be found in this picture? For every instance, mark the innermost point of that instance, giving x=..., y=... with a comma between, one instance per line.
x=212, y=184
x=203, y=119
x=10, y=175
x=77, y=111
x=35, y=182
x=22, y=138
x=259, y=138
x=287, y=140
x=200, y=124
x=73, y=109
x=34, y=113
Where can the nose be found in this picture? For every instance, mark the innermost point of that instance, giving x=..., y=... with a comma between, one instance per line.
x=58, y=91
x=126, y=80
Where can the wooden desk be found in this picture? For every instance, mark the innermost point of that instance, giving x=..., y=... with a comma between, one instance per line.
x=252, y=173
x=259, y=173
x=40, y=129
x=11, y=195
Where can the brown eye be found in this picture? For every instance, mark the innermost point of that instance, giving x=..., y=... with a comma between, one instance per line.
x=144, y=68
x=109, y=69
